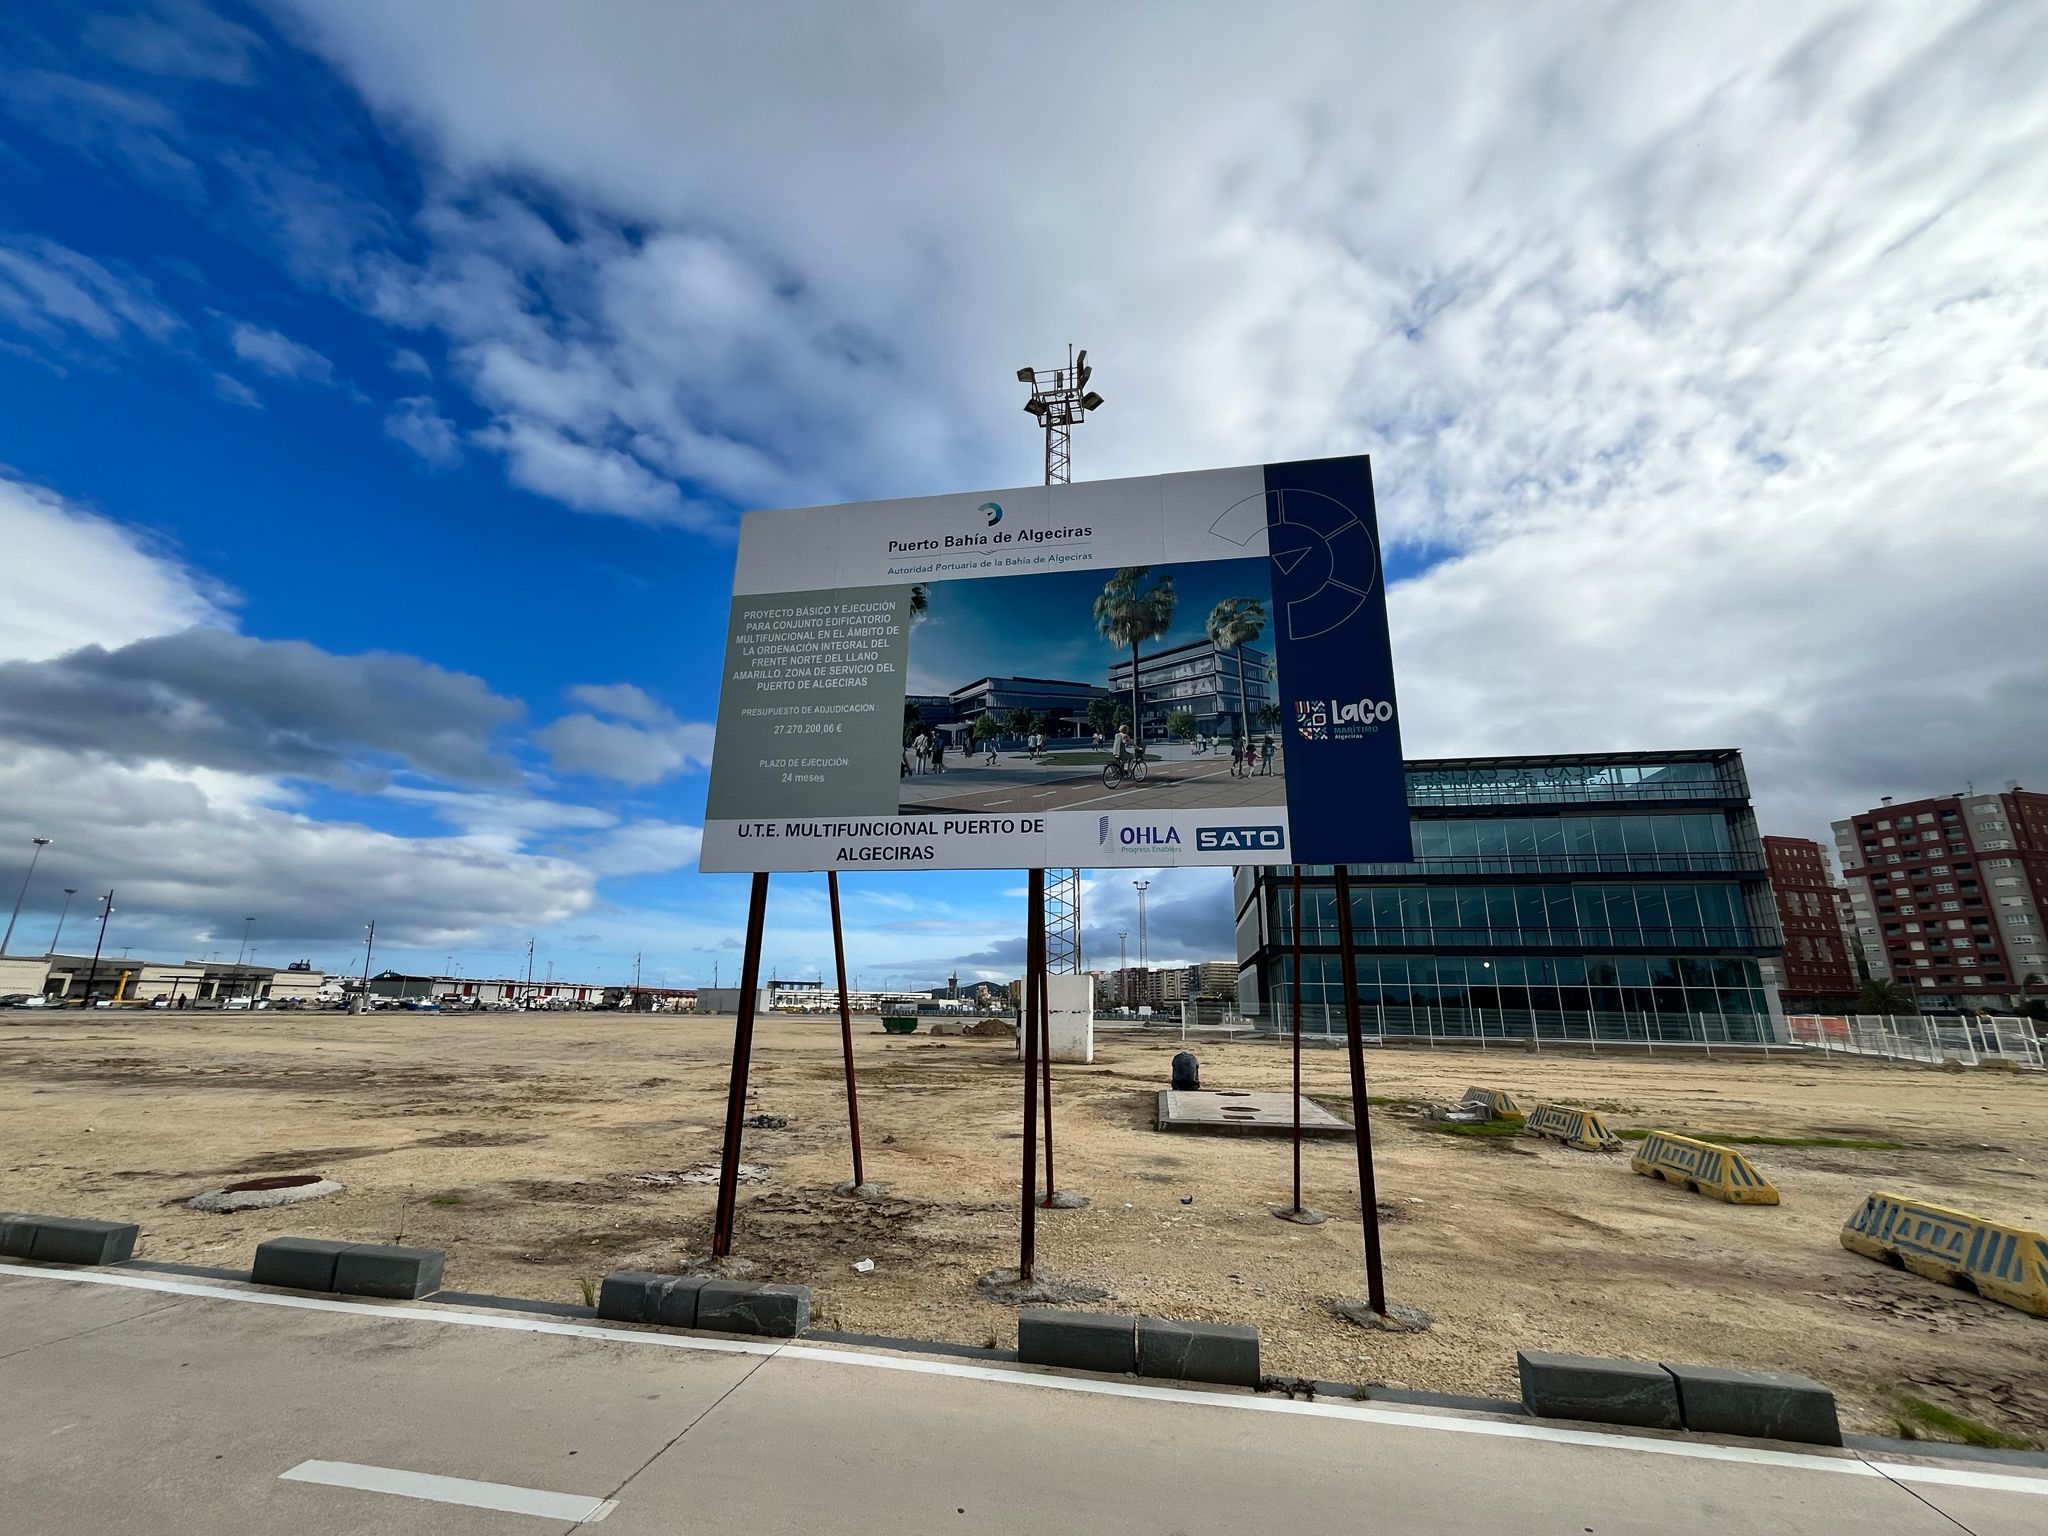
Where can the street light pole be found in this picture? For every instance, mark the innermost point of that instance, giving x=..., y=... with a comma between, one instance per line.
x=93, y=976
x=242, y=952
x=40, y=844
x=62, y=912
x=369, y=945
x=1142, y=887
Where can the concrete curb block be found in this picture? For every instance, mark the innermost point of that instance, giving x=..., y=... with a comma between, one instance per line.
x=1225, y=1353
x=633, y=1296
x=67, y=1239
x=712, y=1305
x=1766, y=1405
x=1705, y=1399
x=348, y=1269
x=1081, y=1341
x=1598, y=1391
x=773, y=1311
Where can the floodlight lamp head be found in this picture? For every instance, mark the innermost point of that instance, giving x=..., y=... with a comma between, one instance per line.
x=1025, y=376
x=1091, y=401
x=1081, y=377
x=1036, y=407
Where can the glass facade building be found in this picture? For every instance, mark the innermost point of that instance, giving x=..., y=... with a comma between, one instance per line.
x=1617, y=897
x=1216, y=686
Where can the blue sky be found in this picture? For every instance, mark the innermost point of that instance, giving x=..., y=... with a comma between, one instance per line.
x=382, y=383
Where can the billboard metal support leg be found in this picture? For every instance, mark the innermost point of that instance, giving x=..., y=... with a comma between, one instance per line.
x=845, y=1027
x=1045, y=1075
x=1297, y=1039
x=1034, y=968
x=736, y=1082
x=1368, y=1192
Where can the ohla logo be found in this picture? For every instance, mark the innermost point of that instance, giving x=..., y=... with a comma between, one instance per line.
x=993, y=510
x=1138, y=837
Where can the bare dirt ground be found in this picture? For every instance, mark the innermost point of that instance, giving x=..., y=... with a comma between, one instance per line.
x=522, y=1144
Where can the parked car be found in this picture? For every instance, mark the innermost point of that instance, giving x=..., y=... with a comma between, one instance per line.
x=420, y=1005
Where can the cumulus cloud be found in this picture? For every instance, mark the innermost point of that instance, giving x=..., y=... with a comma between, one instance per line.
x=277, y=354
x=1675, y=349
x=138, y=587
x=642, y=743
x=210, y=698
x=235, y=392
x=418, y=423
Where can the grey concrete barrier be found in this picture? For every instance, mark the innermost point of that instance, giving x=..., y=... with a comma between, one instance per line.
x=1081, y=1341
x=633, y=1296
x=1600, y=1391
x=348, y=1269
x=774, y=1311
x=67, y=1239
x=1770, y=1405
x=1227, y=1353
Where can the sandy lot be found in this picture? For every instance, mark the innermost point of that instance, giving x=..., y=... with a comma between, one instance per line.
x=520, y=1142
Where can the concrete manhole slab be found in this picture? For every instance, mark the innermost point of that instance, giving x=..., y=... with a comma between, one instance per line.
x=266, y=1193
x=1238, y=1112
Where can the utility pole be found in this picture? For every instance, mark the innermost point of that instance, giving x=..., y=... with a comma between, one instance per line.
x=62, y=912
x=1142, y=887
x=1060, y=401
x=40, y=844
x=529, y=967
x=93, y=976
x=636, y=970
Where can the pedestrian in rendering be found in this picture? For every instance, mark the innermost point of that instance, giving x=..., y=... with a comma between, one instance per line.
x=922, y=750
x=991, y=751
x=1266, y=753
x=938, y=754
x=1236, y=754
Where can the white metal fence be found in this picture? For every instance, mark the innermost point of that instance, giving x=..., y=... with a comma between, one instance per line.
x=1934, y=1038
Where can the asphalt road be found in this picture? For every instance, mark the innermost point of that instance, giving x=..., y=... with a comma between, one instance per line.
x=152, y=1404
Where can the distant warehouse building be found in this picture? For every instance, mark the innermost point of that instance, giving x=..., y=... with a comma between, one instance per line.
x=1623, y=895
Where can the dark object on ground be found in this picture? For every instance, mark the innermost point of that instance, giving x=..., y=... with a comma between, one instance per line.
x=348, y=1269
x=66, y=1239
x=1081, y=1341
x=767, y=1122
x=1770, y=1405
x=1187, y=1072
x=899, y=1026
x=1220, y=1352
x=1597, y=1390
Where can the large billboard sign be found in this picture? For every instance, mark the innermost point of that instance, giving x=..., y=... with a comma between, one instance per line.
x=1181, y=669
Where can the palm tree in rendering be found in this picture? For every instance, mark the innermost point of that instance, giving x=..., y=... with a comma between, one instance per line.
x=1129, y=613
x=1235, y=622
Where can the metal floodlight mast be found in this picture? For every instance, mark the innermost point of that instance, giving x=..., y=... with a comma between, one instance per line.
x=8, y=938
x=1058, y=404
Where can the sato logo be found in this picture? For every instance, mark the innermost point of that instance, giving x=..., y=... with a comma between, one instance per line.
x=1239, y=839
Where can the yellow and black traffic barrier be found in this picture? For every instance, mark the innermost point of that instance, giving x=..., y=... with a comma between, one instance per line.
x=2002, y=1263
x=1719, y=1173
x=1580, y=1128
x=1500, y=1104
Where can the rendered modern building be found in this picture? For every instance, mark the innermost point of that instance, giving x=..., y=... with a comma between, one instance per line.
x=1620, y=895
x=1063, y=705
x=1949, y=895
x=1816, y=969
x=1201, y=678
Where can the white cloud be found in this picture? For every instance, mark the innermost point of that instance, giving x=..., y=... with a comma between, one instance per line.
x=418, y=423
x=641, y=749
x=54, y=294
x=183, y=38
x=405, y=360
x=235, y=392
x=278, y=355
x=1713, y=359
x=137, y=589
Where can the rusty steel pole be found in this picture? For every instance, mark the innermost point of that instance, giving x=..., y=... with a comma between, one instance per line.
x=1034, y=964
x=1368, y=1193
x=1297, y=1039
x=845, y=1026
x=736, y=1083
x=1045, y=1073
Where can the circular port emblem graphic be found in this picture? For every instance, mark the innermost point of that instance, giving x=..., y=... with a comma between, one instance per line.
x=1324, y=560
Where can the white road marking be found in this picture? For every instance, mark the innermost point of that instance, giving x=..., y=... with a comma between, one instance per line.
x=1444, y=1421
x=506, y=1498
